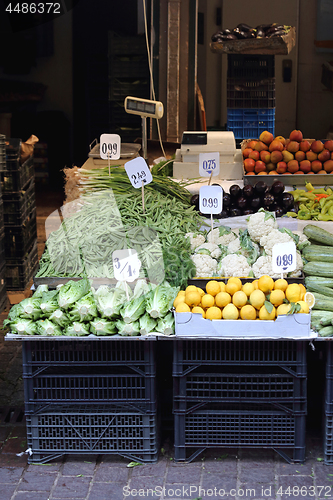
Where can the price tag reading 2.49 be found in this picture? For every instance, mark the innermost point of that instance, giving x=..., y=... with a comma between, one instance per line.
x=126, y=264
x=284, y=257
x=210, y=199
x=109, y=148
x=138, y=172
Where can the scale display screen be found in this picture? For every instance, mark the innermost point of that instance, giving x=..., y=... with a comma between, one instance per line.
x=143, y=107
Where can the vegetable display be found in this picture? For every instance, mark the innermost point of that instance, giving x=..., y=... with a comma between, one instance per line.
x=244, y=31
x=106, y=222
x=250, y=198
x=262, y=299
x=319, y=277
x=245, y=252
x=313, y=203
x=81, y=310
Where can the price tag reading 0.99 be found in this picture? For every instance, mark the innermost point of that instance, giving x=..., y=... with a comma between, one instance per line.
x=109, y=148
x=210, y=199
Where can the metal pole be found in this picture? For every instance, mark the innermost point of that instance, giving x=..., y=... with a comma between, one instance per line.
x=144, y=137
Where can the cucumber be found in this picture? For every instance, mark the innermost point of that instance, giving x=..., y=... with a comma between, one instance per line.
x=320, y=253
x=318, y=234
x=314, y=268
x=323, y=304
x=323, y=290
x=326, y=331
x=318, y=280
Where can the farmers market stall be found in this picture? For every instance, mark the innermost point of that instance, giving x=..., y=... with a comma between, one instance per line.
x=240, y=328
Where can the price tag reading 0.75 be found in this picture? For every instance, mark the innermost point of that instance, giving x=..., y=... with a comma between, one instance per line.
x=209, y=164
x=210, y=199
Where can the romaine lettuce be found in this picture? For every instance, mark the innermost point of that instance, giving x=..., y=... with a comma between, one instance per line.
x=133, y=309
x=166, y=324
x=125, y=329
x=77, y=329
x=72, y=291
x=84, y=309
x=147, y=324
x=46, y=327
x=100, y=326
x=160, y=300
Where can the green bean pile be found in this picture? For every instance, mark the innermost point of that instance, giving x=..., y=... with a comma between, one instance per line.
x=106, y=222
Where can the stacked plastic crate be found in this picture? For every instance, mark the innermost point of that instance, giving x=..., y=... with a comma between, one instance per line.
x=239, y=393
x=250, y=95
x=328, y=413
x=128, y=76
x=94, y=397
x=19, y=212
x=3, y=293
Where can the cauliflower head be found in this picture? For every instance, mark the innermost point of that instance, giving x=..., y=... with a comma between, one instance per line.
x=209, y=249
x=205, y=265
x=263, y=266
x=260, y=224
x=270, y=239
x=196, y=239
x=221, y=235
x=234, y=265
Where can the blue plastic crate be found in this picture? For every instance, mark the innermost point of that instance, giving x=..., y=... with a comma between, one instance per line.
x=249, y=123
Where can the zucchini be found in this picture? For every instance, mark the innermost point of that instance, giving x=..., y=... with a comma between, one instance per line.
x=315, y=268
x=326, y=331
x=321, y=315
x=323, y=290
x=318, y=234
x=318, y=280
x=320, y=253
x=323, y=304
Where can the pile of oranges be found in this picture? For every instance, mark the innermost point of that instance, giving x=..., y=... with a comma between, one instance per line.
x=263, y=298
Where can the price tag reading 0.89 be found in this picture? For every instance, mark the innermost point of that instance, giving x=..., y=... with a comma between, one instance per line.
x=284, y=261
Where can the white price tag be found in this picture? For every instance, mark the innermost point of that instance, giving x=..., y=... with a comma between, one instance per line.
x=209, y=164
x=126, y=264
x=109, y=146
x=138, y=172
x=210, y=199
x=284, y=257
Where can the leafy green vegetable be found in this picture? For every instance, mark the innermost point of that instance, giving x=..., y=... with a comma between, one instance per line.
x=72, y=291
x=40, y=290
x=49, y=302
x=250, y=250
x=23, y=326
x=142, y=287
x=84, y=309
x=160, y=300
x=133, y=309
x=100, y=326
x=30, y=308
x=109, y=301
x=166, y=324
x=46, y=327
x=132, y=329
x=147, y=324
x=77, y=329
x=60, y=318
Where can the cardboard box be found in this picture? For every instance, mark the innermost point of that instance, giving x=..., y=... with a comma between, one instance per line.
x=294, y=326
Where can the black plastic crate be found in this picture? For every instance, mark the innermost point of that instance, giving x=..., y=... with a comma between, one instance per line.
x=119, y=117
x=251, y=93
x=19, y=239
x=3, y=289
x=14, y=180
x=133, y=66
x=19, y=272
x=329, y=378
x=248, y=426
x=101, y=429
x=18, y=206
x=288, y=354
x=328, y=438
x=121, y=88
x=251, y=66
x=2, y=245
x=126, y=45
x=91, y=385
x=139, y=355
x=279, y=389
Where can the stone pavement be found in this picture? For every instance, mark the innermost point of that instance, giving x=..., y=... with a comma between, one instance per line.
x=238, y=474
